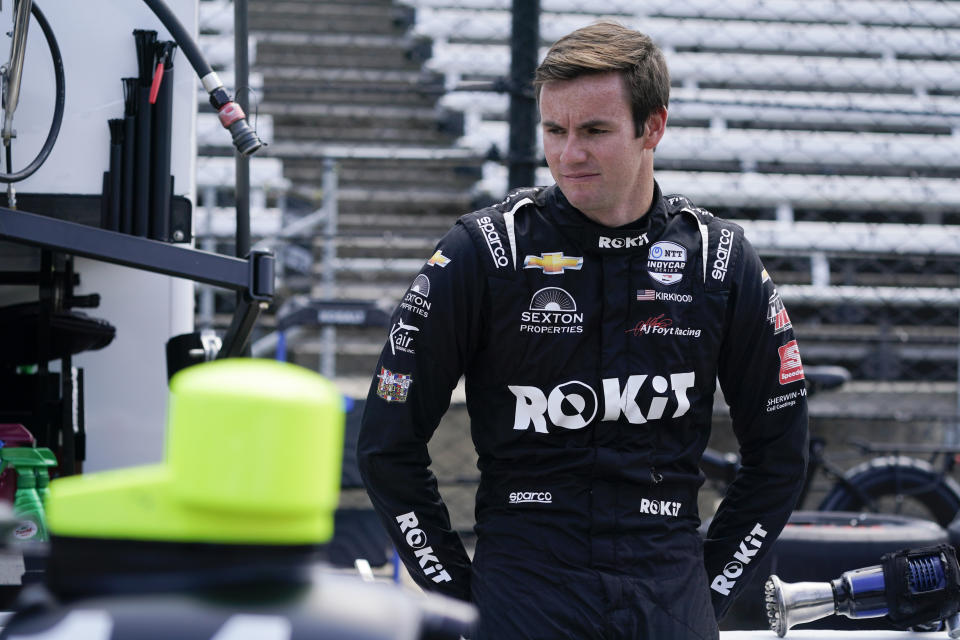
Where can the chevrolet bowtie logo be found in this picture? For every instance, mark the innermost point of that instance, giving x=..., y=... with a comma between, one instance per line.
x=552, y=263
x=438, y=259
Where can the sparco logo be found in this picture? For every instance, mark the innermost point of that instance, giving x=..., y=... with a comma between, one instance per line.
x=417, y=540
x=494, y=244
x=751, y=544
x=574, y=405
x=542, y=497
x=603, y=242
x=722, y=258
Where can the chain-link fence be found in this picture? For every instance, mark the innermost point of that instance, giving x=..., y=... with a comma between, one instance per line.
x=829, y=129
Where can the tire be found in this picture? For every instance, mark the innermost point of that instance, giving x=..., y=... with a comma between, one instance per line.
x=899, y=485
x=818, y=546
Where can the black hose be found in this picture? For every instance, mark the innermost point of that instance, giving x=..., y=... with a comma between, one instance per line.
x=180, y=34
x=232, y=117
x=58, y=104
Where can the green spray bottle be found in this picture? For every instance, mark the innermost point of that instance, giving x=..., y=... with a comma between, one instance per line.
x=29, y=463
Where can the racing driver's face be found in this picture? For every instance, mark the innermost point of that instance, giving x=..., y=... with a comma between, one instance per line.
x=589, y=139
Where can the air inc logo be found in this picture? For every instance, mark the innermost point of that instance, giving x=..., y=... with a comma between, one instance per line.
x=553, y=263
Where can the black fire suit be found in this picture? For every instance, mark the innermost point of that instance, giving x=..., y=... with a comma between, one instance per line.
x=590, y=357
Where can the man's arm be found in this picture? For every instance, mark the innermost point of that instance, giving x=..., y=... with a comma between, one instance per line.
x=433, y=332
x=762, y=379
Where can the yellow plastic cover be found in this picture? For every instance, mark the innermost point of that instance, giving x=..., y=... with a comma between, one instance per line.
x=253, y=456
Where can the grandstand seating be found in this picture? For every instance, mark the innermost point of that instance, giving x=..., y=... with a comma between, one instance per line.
x=831, y=133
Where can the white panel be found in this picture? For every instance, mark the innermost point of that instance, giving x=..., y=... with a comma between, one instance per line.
x=126, y=388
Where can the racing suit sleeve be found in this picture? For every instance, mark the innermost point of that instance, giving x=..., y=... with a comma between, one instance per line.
x=433, y=332
x=761, y=375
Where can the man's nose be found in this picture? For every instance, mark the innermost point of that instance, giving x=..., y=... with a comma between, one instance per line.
x=573, y=150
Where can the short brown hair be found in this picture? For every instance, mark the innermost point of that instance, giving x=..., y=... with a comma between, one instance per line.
x=608, y=46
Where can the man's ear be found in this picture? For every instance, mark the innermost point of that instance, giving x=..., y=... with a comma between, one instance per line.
x=654, y=128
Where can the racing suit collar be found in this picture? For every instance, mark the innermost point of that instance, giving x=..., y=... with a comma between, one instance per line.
x=595, y=238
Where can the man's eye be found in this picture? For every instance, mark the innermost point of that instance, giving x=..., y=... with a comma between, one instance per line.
x=595, y=131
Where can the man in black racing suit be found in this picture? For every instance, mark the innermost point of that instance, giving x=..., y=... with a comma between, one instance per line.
x=590, y=344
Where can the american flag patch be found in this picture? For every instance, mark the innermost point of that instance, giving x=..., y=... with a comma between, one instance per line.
x=646, y=294
x=393, y=387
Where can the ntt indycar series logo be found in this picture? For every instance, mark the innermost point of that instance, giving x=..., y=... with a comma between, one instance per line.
x=552, y=310
x=527, y=497
x=666, y=262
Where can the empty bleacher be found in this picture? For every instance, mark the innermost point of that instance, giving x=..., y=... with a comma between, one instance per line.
x=830, y=131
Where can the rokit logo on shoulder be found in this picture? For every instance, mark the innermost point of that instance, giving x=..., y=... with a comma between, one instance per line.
x=727, y=579
x=494, y=243
x=417, y=540
x=552, y=310
x=574, y=404
x=415, y=299
x=666, y=262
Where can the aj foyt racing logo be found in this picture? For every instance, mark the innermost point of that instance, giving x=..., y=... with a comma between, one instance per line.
x=417, y=540
x=726, y=579
x=574, y=404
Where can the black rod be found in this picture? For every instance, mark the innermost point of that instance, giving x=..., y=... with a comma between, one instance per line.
x=524, y=55
x=116, y=159
x=145, y=41
x=129, y=153
x=242, y=65
x=161, y=135
x=140, y=253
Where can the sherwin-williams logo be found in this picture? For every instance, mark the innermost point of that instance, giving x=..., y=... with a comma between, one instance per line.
x=417, y=540
x=438, y=259
x=552, y=310
x=553, y=263
x=666, y=262
x=393, y=387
